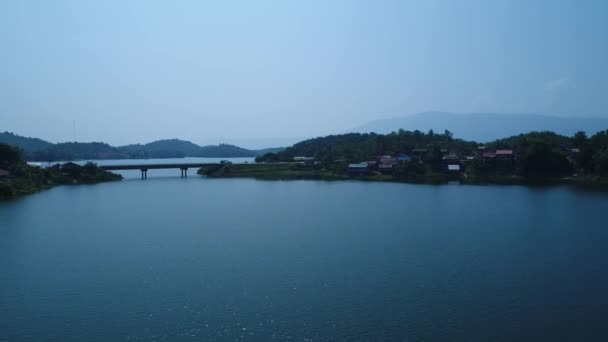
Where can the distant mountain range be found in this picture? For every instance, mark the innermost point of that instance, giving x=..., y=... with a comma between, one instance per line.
x=40, y=150
x=484, y=127
x=480, y=127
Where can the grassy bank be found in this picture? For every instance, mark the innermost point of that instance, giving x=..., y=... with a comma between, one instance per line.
x=25, y=179
x=287, y=171
x=270, y=171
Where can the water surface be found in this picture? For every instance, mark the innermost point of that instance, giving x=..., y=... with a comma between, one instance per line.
x=171, y=259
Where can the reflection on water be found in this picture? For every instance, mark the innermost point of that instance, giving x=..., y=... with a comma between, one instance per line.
x=238, y=259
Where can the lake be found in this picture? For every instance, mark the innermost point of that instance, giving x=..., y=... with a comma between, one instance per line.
x=197, y=259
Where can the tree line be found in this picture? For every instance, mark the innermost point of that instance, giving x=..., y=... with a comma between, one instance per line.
x=535, y=154
x=23, y=178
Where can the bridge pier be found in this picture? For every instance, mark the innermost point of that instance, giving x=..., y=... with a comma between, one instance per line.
x=143, y=168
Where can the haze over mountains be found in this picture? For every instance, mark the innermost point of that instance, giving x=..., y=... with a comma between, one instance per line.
x=484, y=127
x=480, y=127
x=40, y=150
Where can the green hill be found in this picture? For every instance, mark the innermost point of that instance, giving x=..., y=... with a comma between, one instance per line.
x=24, y=143
x=544, y=155
x=40, y=150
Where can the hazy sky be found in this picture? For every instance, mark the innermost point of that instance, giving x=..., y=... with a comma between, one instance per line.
x=211, y=71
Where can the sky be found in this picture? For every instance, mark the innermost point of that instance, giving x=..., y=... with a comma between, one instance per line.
x=125, y=71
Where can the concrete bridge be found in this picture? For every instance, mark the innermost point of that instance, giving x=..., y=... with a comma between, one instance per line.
x=145, y=167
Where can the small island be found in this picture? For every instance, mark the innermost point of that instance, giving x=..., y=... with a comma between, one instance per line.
x=18, y=177
x=417, y=157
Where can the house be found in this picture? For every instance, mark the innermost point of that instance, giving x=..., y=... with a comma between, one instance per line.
x=304, y=160
x=453, y=167
x=70, y=168
x=452, y=157
x=419, y=153
x=403, y=158
x=504, y=159
x=4, y=174
x=359, y=168
x=385, y=168
x=489, y=154
x=504, y=153
x=387, y=160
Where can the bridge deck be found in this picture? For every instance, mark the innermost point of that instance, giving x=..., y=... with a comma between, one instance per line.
x=155, y=166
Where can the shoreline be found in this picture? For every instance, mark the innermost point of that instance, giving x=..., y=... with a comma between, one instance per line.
x=21, y=192
x=283, y=172
x=30, y=179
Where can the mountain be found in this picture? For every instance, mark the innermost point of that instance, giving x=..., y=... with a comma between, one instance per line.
x=168, y=148
x=77, y=151
x=175, y=148
x=221, y=150
x=37, y=149
x=25, y=143
x=485, y=127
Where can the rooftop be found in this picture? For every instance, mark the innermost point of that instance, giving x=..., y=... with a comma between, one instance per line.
x=358, y=166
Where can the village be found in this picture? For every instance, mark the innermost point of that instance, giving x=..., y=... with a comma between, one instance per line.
x=452, y=162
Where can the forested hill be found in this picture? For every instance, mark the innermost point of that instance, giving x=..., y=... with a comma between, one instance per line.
x=361, y=146
x=24, y=143
x=535, y=153
x=175, y=148
x=40, y=150
x=484, y=127
x=20, y=178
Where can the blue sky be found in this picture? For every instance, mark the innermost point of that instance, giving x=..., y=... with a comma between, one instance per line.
x=214, y=71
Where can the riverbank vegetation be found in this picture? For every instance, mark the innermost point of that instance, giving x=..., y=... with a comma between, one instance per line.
x=414, y=156
x=18, y=178
x=270, y=171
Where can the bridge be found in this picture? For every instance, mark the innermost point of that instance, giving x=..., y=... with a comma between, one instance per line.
x=145, y=167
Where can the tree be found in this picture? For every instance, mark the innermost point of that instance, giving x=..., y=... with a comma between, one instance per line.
x=9, y=155
x=269, y=157
x=481, y=167
x=580, y=139
x=410, y=170
x=585, y=160
x=435, y=158
x=602, y=164
x=448, y=135
x=540, y=160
